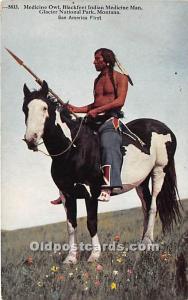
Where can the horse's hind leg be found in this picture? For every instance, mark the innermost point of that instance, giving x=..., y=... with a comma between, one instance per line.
x=71, y=211
x=92, y=207
x=157, y=182
x=145, y=197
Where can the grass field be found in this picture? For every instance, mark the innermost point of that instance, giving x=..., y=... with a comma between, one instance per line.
x=118, y=275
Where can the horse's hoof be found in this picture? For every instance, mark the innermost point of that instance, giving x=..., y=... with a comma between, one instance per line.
x=147, y=241
x=94, y=257
x=57, y=201
x=70, y=260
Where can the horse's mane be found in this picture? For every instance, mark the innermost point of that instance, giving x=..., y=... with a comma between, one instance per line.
x=87, y=141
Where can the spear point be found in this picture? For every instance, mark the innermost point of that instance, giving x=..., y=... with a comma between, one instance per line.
x=15, y=57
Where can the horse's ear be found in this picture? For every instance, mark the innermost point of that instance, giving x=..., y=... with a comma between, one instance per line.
x=44, y=89
x=26, y=91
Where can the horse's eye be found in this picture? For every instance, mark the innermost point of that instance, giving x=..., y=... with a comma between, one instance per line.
x=44, y=108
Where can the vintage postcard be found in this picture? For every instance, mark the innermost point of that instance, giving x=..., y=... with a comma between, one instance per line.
x=94, y=149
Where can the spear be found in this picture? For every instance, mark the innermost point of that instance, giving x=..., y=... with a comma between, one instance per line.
x=37, y=79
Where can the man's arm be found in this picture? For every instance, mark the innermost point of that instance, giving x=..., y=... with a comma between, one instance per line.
x=122, y=87
x=81, y=109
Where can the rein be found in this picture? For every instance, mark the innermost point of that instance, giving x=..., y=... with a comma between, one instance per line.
x=69, y=146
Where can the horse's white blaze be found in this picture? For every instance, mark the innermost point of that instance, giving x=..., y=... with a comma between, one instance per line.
x=37, y=115
x=137, y=165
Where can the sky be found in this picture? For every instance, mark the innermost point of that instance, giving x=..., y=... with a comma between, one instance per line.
x=150, y=43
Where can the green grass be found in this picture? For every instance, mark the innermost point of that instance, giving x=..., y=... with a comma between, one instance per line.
x=139, y=275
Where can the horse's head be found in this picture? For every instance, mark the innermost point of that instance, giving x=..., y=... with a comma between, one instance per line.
x=39, y=111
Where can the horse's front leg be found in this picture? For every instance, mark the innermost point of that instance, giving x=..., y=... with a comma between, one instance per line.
x=71, y=211
x=92, y=207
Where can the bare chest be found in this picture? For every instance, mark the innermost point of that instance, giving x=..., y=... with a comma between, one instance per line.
x=104, y=87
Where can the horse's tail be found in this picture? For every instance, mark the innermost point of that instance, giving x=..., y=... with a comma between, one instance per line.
x=168, y=200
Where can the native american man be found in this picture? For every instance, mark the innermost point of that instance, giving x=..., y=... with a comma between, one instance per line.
x=110, y=90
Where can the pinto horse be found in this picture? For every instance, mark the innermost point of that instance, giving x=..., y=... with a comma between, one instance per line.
x=76, y=168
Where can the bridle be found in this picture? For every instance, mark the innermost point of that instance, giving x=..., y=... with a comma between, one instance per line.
x=69, y=146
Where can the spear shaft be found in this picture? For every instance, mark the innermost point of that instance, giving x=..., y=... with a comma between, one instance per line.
x=37, y=79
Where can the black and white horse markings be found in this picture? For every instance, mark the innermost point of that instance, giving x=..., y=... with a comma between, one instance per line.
x=77, y=174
